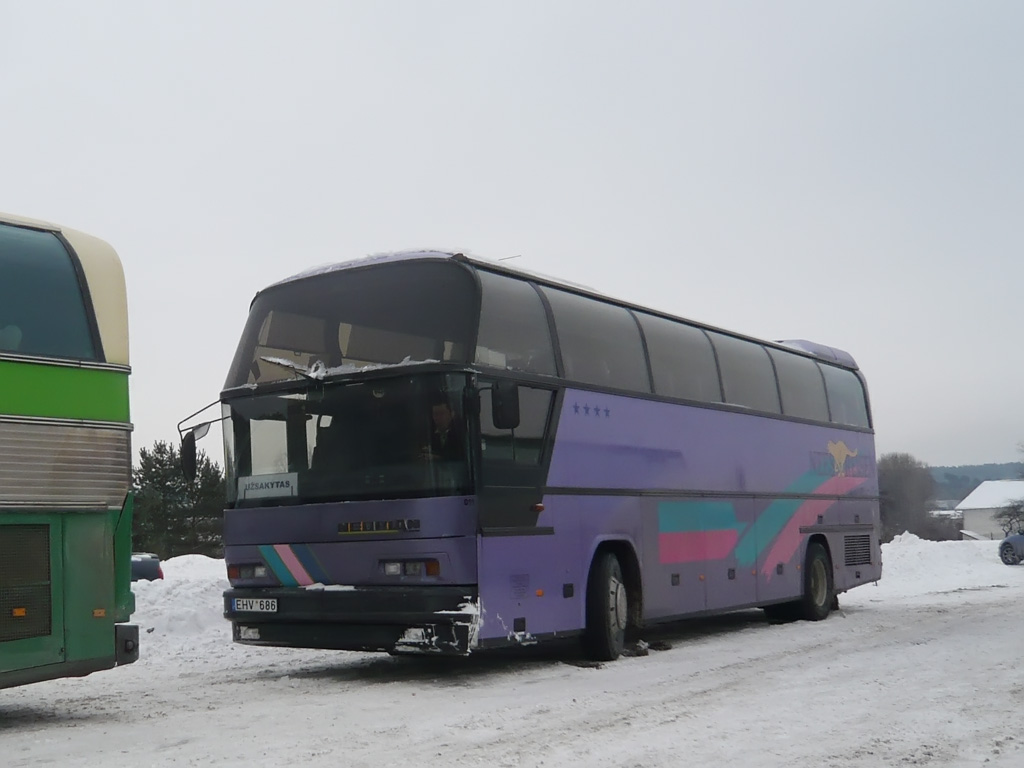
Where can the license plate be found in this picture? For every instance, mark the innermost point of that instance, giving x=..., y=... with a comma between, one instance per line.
x=254, y=604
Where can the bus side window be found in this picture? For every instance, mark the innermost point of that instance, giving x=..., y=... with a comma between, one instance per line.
x=682, y=360
x=846, y=397
x=514, y=332
x=10, y=338
x=802, y=386
x=748, y=376
x=600, y=342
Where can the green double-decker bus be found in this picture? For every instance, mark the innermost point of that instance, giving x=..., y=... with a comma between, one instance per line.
x=65, y=456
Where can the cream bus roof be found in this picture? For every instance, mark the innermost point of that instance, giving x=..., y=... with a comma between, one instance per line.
x=105, y=277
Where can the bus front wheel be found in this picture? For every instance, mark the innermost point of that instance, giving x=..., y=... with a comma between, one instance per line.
x=607, y=609
x=819, y=590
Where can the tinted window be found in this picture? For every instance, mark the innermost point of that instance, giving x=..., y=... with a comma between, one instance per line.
x=514, y=331
x=682, y=360
x=747, y=375
x=524, y=444
x=41, y=307
x=420, y=310
x=846, y=398
x=600, y=342
x=803, y=389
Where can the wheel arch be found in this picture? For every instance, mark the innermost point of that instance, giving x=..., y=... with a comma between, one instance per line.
x=820, y=538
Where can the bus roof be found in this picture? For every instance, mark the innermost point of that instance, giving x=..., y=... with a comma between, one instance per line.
x=812, y=349
x=411, y=255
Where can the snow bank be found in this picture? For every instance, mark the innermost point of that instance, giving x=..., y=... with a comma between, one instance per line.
x=184, y=607
x=912, y=567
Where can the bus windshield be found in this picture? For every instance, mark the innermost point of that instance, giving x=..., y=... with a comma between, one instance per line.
x=360, y=317
x=400, y=437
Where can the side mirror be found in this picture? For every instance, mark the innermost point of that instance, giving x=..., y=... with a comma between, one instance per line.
x=505, y=405
x=188, y=442
x=188, y=455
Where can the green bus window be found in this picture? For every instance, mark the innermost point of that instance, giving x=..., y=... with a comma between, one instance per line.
x=42, y=311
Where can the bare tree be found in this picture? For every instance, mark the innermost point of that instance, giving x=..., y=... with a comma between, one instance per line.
x=1011, y=517
x=906, y=488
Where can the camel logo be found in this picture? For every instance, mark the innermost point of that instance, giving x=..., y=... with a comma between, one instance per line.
x=840, y=453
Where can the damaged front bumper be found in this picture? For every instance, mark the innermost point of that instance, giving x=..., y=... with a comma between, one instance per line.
x=442, y=619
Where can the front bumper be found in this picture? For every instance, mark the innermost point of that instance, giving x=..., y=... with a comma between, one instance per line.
x=126, y=644
x=442, y=619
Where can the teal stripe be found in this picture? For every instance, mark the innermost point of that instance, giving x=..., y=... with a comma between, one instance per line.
x=277, y=566
x=697, y=516
x=771, y=522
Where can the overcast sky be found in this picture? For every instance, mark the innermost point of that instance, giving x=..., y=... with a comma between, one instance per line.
x=846, y=173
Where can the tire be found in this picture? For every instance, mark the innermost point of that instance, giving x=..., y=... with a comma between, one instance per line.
x=819, y=589
x=607, y=609
x=1009, y=555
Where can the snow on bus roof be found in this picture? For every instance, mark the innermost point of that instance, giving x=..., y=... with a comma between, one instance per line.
x=429, y=253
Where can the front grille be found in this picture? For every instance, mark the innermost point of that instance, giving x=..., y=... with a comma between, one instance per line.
x=858, y=550
x=25, y=609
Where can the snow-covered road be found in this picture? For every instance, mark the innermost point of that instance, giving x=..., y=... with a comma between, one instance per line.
x=922, y=669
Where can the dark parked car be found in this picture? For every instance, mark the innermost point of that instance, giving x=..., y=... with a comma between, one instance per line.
x=1011, y=551
x=146, y=567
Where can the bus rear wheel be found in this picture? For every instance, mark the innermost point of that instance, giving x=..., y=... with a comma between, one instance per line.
x=607, y=609
x=819, y=589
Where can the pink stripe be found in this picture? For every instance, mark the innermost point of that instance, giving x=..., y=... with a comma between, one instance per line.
x=789, y=539
x=695, y=546
x=292, y=563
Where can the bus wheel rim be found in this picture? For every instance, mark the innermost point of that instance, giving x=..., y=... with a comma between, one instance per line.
x=819, y=582
x=618, y=603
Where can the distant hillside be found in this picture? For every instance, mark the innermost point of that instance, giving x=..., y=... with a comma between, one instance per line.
x=956, y=482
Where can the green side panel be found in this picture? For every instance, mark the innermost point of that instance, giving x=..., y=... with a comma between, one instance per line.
x=121, y=522
x=89, y=585
x=34, y=652
x=66, y=392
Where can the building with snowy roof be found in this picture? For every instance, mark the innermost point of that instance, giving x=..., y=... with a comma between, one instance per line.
x=983, y=504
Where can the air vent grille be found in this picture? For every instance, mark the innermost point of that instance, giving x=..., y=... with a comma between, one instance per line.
x=858, y=550
x=25, y=609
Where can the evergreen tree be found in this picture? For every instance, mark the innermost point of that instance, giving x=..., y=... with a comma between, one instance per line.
x=174, y=517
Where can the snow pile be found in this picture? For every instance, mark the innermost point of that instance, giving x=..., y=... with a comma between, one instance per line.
x=183, y=607
x=912, y=567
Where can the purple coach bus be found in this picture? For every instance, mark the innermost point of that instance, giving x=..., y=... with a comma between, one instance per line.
x=430, y=452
